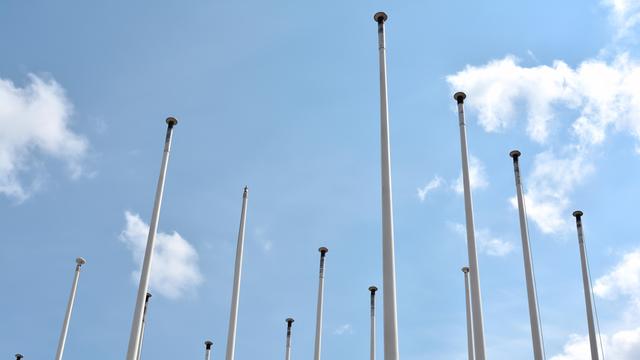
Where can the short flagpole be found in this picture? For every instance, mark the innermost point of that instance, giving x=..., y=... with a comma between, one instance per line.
x=72, y=297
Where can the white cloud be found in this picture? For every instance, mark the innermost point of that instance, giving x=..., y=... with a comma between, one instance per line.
x=261, y=237
x=622, y=345
x=477, y=176
x=434, y=184
x=625, y=14
x=345, y=329
x=622, y=280
x=174, y=269
x=35, y=125
x=486, y=241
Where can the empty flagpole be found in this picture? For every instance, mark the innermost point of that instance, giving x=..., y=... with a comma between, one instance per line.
x=467, y=298
x=67, y=317
x=372, y=346
x=318, y=343
x=391, y=351
x=233, y=316
x=586, y=282
x=144, y=324
x=474, y=272
x=536, y=331
x=207, y=349
x=287, y=353
x=136, y=324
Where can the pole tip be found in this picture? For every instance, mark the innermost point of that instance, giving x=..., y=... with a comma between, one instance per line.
x=80, y=261
x=149, y=296
x=578, y=214
x=465, y=269
x=208, y=344
x=246, y=189
x=19, y=356
x=323, y=250
x=289, y=321
x=515, y=154
x=373, y=289
x=459, y=97
x=171, y=121
x=380, y=17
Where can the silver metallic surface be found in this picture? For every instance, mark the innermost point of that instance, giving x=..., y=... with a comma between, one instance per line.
x=67, y=317
x=318, y=342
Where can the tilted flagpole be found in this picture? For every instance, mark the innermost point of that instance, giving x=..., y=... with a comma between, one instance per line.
x=586, y=282
x=287, y=353
x=144, y=324
x=136, y=324
x=67, y=317
x=474, y=272
x=318, y=344
x=391, y=351
x=372, y=345
x=467, y=297
x=235, y=298
x=207, y=349
x=536, y=331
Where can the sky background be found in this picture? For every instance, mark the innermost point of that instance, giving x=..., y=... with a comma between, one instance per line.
x=284, y=97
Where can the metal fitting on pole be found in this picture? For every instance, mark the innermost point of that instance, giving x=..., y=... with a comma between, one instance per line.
x=372, y=345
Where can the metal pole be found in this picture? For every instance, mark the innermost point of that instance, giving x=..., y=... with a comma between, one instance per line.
x=136, y=324
x=388, y=252
x=19, y=356
x=372, y=346
x=586, y=282
x=144, y=323
x=474, y=271
x=233, y=316
x=536, y=331
x=318, y=344
x=67, y=317
x=207, y=349
x=287, y=354
x=467, y=297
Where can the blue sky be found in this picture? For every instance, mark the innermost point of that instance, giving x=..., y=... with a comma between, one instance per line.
x=283, y=97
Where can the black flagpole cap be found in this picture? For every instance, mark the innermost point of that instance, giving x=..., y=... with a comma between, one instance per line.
x=380, y=17
x=459, y=97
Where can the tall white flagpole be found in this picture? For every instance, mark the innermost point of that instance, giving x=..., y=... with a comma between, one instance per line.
x=372, y=345
x=136, y=325
x=467, y=297
x=233, y=316
x=586, y=282
x=536, y=331
x=207, y=349
x=474, y=271
x=67, y=317
x=318, y=344
x=391, y=351
x=144, y=325
x=287, y=353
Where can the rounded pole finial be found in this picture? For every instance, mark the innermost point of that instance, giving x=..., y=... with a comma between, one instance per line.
x=289, y=321
x=149, y=296
x=373, y=289
x=515, y=154
x=19, y=356
x=578, y=214
x=465, y=269
x=323, y=250
x=171, y=121
x=380, y=17
x=459, y=97
x=80, y=261
x=208, y=344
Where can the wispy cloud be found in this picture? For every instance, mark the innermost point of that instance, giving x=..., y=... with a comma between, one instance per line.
x=487, y=242
x=174, y=270
x=478, y=178
x=263, y=240
x=434, y=184
x=345, y=329
x=622, y=280
x=35, y=125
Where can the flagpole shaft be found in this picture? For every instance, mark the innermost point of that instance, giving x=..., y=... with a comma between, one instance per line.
x=318, y=341
x=287, y=354
x=144, y=325
x=536, y=332
x=372, y=346
x=474, y=271
x=391, y=351
x=207, y=349
x=586, y=282
x=136, y=325
x=467, y=297
x=233, y=316
x=67, y=316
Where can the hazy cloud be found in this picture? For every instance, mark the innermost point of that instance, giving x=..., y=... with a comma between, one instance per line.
x=434, y=184
x=487, y=242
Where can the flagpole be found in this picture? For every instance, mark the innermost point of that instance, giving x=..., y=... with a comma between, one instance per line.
x=586, y=282
x=287, y=354
x=19, y=356
x=536, y=331
x=67, y=317
x=136, y=324
x=467, y=297
x=207, y=349
x=372, y=345
x=318, y=343
x=474, y=271
x=391, y=351
x=233, y=316
x=144, y=325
